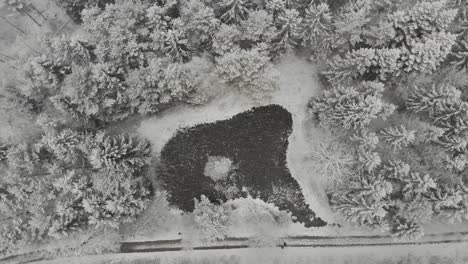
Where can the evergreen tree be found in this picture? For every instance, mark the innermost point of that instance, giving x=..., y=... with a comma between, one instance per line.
x=396, y=169
x=366, y=140
x=351, y=107
x=212, y=219
x=200, y=24
x=423, y=19
x=118, y=33
x=373, y=187
x=73, y=8
x=64, y=145
x=258, y=28
x=360, y=211
x=285, y=38
x=234, y=11
x=416, y=184
x=446, y=198
x=226, y=39
x=176, y=44
x=407, y=230
x=275, y=8
x=398, y=136
x=316, y=25
x=119, y=153
x=447, y=110
x=370, y=160
x=433, y=100
x=351, y=24
x=459, y=54
x=23, y=157
x=249, y=71
x=369, y=62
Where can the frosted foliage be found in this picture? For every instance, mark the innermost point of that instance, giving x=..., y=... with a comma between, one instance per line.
x=285, y=38
x=428, y=16
x=351, y=107
x=225, y=40
x=200, y=22
x=426, y=56
x=415, y=39
x=433, y=99
x=360, y=211
x=332, y=160
x=398, y=136
x=257, y=216
x=352, y=23
x=249, y=71
x=407, y=230
x=218, y=168
x=316, y=24
x=211, y=219
x=234, y=11
x=258, y=27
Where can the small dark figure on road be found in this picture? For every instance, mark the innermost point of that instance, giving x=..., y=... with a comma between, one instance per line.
x=284, y=245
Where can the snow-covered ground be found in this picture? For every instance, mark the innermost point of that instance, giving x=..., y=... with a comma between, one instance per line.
x=361, y=255
x=298, y=84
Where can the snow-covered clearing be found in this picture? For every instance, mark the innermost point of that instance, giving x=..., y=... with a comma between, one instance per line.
x=298, y=84
x=456, y=252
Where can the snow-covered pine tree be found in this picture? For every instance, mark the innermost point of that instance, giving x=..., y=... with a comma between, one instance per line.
x=398, y=136
x=365, y=139
x=120, y=202
x=448, y=198
x=275, y=8
x=226, y=39
x=459, y=54
x=370, y=62
x=64, y=144
x=417, y=184
x=316, y=25
x=396, y=169
x=250, y=71
x=176, y=44
x=360, y=211
x=370, y=160
x=454, y=143
x=233, y=11
x=200, y=24
x=422, y=34
x=119, y=153
x=373, y=186
x=212, y=219
x=434, y=99
x=258, y=28
x=404, y=230
x=423, y=19
x=351, y=107
x=23, y=157
x=286, y=36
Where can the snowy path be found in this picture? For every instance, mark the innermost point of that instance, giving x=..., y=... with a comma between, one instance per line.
x=303, y=255
x=301, y=241
x=297, y=86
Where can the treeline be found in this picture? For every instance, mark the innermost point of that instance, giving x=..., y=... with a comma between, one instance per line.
x=65, y=181
x=395, y=74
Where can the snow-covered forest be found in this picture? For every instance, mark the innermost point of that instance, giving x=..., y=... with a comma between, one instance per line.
x=203, y=120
